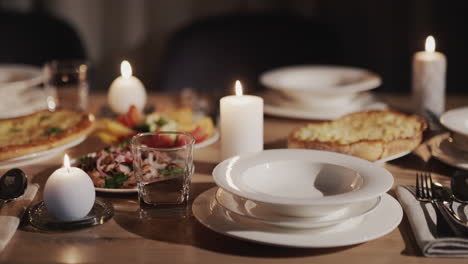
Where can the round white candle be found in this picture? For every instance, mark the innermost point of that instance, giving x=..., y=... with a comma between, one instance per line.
x=126, y=90
x=69, y=193
x=241, y=122
x=429, y=68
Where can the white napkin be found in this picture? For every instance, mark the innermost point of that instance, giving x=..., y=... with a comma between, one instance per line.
x=422, y=218
x=11, y=214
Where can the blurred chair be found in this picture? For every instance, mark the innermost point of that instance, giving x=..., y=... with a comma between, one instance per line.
x=37, y=38
x=209, y=55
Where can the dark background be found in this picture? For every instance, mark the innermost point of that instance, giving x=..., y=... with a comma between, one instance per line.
x=378, y=35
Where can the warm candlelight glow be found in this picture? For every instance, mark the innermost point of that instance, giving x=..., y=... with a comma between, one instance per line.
x=238, y=88
x=430, y=44
x=66, y=162
x=125, y=69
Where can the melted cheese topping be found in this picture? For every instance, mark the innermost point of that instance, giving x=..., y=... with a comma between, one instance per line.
x=384, y=126
x=37, y=127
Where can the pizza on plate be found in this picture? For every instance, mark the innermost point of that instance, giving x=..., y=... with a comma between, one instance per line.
x=42, y=131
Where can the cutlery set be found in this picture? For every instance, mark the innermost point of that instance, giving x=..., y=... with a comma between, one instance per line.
x=443, y=198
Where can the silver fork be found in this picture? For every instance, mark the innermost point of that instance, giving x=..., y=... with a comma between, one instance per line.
x=424, y=193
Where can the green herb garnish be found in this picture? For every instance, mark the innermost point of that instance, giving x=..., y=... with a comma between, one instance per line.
x=86, y=163
x=171, y=171
x=116, y=181
x=53, y=130
x=125, y=143
x=142, y=128
x=44, y=117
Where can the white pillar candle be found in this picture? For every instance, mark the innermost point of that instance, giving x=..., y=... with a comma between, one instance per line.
x=69, y=193
x=126, y=90
x=429, y=69
x=241, y=118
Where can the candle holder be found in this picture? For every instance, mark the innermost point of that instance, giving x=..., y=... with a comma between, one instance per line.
x=40, y=218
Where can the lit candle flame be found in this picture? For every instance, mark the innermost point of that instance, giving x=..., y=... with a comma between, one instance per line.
x=66, y=162
x=238, y=88
x=125, y=69
x=430, y=44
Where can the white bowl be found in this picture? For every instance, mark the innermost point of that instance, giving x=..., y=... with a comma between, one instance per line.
x=456, y=121
x=302, y=183
x=15, y=78
x=318, y=85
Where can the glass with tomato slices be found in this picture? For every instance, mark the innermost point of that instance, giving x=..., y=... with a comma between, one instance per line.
x=163, y=166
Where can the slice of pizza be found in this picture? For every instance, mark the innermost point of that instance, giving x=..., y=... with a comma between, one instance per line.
x=42, y=131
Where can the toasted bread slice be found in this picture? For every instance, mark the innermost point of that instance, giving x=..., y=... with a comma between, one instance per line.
x=371, y=135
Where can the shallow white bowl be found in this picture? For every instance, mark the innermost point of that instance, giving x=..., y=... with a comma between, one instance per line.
x=456, y=121
x=302, y=183
x=320, y=84
x=15, y=78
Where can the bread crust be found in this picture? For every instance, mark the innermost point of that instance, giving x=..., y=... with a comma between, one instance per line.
x=84, y=126
x=371, y=150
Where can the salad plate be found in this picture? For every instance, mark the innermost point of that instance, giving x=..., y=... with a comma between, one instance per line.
x=78, y=162
x=317, y=182
x=381, y=221
x=255, y=211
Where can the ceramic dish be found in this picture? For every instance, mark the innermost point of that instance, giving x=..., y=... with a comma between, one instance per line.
x=320, y=82
x=38, y=156
x=300, y=182
x=444, y=149
x=203, y=144
x=381, y=221
x=456, y=121
x=251, y=209
x=16, y=78
x=280, y=106
x=28, y=102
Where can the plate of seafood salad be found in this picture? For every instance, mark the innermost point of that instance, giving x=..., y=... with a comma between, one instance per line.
x=110, y=169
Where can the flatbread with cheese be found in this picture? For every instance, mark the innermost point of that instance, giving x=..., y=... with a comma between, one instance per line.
x=42, y=131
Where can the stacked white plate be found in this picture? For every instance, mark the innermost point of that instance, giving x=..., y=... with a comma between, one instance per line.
x=299, y=198
x=319, y=91
x=19, y=90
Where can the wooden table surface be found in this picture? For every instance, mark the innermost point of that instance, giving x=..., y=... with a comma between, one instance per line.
x=128, y=239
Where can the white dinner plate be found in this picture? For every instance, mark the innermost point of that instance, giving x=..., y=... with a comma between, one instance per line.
x=257, y=212
x=338, y=178
x=381, y=221
x=38, y=156
x=443, y=149
x=277, y=105
x=17, y=77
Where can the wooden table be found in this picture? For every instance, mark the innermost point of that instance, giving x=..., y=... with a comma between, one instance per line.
x=127, y=239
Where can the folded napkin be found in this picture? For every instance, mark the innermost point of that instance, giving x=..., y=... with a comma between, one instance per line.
x=11, y=214
x=423, y=221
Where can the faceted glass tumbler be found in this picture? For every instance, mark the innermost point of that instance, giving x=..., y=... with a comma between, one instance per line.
x=163, y=165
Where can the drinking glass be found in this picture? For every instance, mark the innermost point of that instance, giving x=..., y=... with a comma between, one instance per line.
x=66, y=84
x=163, y=166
